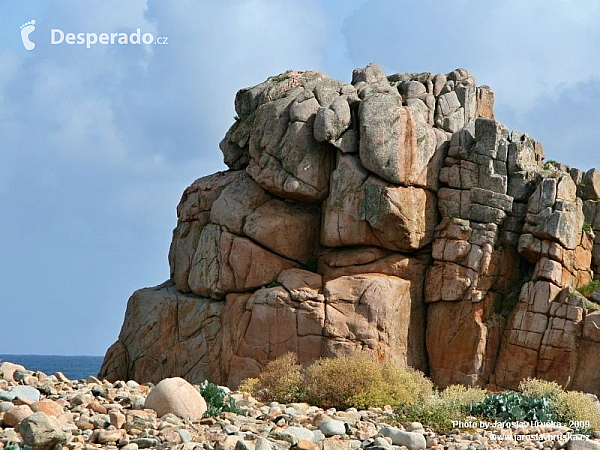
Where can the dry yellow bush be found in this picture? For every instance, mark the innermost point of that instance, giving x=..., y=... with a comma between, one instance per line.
x=572, y=408
x=539, y=388
x=359, y=381
x=282, y=380
x=462, y=397
x=440, y=409
x=354, y=381
x=249, y=385
x=577, y=410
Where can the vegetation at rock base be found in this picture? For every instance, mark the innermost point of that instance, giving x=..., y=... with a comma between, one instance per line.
x=569, y=406
x=538, y=400
x=441, y=408
x=249, y=385
x=360, y=382
x=539, y=388
x=217, y=400
x=515, y=406
x=281, y=380
x=353, y=381
x=543, y=401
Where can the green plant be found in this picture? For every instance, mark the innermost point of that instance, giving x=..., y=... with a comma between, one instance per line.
x=591, y=306
x=575, y=409
x=551, y=164
x=281, y=77
x=514, y=406
x=508, y=302
x=15, y=446
x=587, y=289
x=217, y=400
x=440, y=409
x=586, y=227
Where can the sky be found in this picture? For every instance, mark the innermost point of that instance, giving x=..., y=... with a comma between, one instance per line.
x=97, y=144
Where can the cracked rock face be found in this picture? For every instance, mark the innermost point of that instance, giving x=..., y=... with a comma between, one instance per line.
x=392, y=215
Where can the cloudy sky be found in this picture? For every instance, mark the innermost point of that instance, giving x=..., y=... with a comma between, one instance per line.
x=96, y=145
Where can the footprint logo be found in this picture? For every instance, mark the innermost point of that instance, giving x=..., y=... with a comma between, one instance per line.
x=26, y=30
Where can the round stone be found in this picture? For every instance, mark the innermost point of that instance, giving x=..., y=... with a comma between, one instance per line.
x=332, y=427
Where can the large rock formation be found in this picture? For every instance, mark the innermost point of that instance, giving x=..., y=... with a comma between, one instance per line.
x=392, y=215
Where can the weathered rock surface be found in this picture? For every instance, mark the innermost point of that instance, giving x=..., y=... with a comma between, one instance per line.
x=41, y=432
x=176, y=396
x=393, y=215
x=363, y=209
x=166, y=318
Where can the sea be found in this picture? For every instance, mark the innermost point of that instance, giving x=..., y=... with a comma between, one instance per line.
x=74, y=367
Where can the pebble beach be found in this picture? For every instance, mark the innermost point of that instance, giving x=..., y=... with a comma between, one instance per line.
x=52, y=412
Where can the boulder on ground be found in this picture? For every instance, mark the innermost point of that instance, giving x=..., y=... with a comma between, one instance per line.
x=42, y=432
x=176, y=396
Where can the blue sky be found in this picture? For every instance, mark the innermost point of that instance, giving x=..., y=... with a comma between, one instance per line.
x=96, y=145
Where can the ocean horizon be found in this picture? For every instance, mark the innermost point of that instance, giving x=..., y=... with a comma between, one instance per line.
x=74, y=367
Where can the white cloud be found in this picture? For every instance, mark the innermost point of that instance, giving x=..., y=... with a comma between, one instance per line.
x=97, y=145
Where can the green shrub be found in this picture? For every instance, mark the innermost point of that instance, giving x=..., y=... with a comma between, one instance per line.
x=440, y=409
x=15, y=446
x=514, y=406
x=509, y=301
x=551, y=164
x=282, y=380
x=591, y=306
x=390, y=385
x=281, y=77
x=586, y=227
x=217, y=401
x=587, y=289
